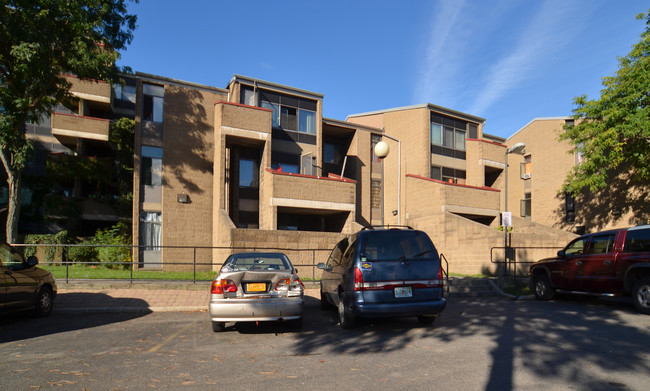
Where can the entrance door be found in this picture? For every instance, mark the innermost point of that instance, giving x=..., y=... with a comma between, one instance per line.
x=245, y=187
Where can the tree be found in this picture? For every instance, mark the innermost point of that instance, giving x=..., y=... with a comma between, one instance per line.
x=613, y=133
x=40, y=41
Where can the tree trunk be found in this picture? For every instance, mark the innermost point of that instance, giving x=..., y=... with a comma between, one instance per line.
x=15, y=188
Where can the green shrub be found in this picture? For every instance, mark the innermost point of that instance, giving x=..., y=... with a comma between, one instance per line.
x=112, y=257
x=48, y=251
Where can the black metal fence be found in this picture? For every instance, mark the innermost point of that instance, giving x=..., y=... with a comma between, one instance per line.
x=510, y=263
x=192, y=259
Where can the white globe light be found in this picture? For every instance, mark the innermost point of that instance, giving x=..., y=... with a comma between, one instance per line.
x=381, y=149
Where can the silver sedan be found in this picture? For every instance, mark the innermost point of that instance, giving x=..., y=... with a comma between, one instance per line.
x=256, y=287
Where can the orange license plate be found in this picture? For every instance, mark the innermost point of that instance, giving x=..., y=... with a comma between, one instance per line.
x=256, y=287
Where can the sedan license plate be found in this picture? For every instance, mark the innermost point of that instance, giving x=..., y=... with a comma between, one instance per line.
x=403, y=291
x=256, y=287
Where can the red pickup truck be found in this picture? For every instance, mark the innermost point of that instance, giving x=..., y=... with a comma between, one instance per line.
x=609, y=263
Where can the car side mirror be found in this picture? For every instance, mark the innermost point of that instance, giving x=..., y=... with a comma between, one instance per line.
x=32, y=261
x=561, y=253
x=322, y=266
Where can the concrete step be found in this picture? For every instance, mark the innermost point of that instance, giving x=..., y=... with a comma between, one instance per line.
x=458, y=287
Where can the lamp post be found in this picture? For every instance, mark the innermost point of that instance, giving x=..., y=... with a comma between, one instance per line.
x=381, y=150
x=519, y=149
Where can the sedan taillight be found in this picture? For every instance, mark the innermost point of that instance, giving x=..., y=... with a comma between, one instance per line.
x=285, y=285
x=221, y=286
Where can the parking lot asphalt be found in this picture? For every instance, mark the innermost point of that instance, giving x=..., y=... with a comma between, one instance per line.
x=140, y=296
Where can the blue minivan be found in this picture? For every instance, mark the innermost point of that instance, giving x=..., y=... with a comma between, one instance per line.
x=383, y=272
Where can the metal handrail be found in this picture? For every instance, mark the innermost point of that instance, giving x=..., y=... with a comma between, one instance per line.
x=194, y=263
x=445, y=270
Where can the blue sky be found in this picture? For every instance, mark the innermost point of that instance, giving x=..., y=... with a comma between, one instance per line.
x=508, y=61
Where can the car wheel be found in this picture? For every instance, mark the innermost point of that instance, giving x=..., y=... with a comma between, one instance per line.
x=542, y=287
x=346, y=319
x=44, y=302
x=641, y=295
x=426, y=319
x=324, y=304
x=218, y=326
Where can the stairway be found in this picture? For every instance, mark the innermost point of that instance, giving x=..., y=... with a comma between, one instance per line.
x=459, y=287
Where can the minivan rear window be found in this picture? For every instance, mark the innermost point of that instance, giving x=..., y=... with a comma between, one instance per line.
x=394, y=245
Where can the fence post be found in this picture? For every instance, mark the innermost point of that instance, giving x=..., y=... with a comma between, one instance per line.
x=194, y=265
x=132, y=265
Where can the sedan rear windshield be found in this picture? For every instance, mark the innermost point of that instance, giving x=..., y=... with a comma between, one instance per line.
x=249, y=262
x=395, y=245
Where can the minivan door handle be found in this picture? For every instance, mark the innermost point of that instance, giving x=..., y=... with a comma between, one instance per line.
x=607, y=262
x=578, y=263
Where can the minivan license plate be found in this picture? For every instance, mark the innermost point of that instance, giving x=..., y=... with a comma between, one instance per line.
x=403, y=291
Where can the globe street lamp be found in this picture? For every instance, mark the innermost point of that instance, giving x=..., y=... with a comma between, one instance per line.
x=381, y=151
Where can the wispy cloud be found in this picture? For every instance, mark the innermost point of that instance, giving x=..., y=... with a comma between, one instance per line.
x=472, y=60
x=542, y=37
x=441, y=46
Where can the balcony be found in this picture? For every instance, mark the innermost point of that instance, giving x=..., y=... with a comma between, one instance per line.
x=67, y=128
x=306, y=191
x=243, y=121
x=308, y=203
x=97, y=91
x=430, y=197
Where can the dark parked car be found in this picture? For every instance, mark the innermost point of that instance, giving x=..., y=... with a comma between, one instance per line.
x=23, y=285
x=383, y=273
x=614, y=262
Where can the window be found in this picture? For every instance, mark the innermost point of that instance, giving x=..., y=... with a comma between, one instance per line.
x=637, y=240
x=436, y=134
x=525, y=206
x=525, y=168
x=125, y=92
x=576, y=247
x=449, y=175
x=248, y=173
x=152, y=99
x=449, y=133
x=289, y=112
x=602, y=244
x=150, y=230
x=306, y=164
x=151, y=166
x=275, y=119
x=570, y=208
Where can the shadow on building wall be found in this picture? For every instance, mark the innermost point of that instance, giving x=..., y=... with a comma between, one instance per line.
x=622, y=203
x=189, y=138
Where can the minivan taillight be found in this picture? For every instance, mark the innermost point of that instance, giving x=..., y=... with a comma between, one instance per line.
x=221, y=286
x=441, y=277
x=358, y=279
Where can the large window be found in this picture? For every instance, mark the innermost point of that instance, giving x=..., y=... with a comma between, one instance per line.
x=152, y=106
x=289, y=112
x=449, y=175
x=449, y=133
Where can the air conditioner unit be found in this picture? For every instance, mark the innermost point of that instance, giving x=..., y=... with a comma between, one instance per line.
x=525, y=175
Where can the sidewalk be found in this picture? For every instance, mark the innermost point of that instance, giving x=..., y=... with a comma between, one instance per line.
x=139, y=296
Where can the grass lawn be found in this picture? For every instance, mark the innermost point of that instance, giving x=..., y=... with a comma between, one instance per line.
x=104, y=273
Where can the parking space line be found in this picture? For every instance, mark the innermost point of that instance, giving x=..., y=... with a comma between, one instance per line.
x=168, y=339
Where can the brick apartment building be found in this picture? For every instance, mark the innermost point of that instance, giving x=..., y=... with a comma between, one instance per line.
x=255, y=165
x=536, y=184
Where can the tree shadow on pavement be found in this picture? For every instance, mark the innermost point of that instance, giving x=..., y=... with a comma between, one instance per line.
x=550, y=339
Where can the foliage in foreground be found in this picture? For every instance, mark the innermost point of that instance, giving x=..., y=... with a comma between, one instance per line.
x=612, y=133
